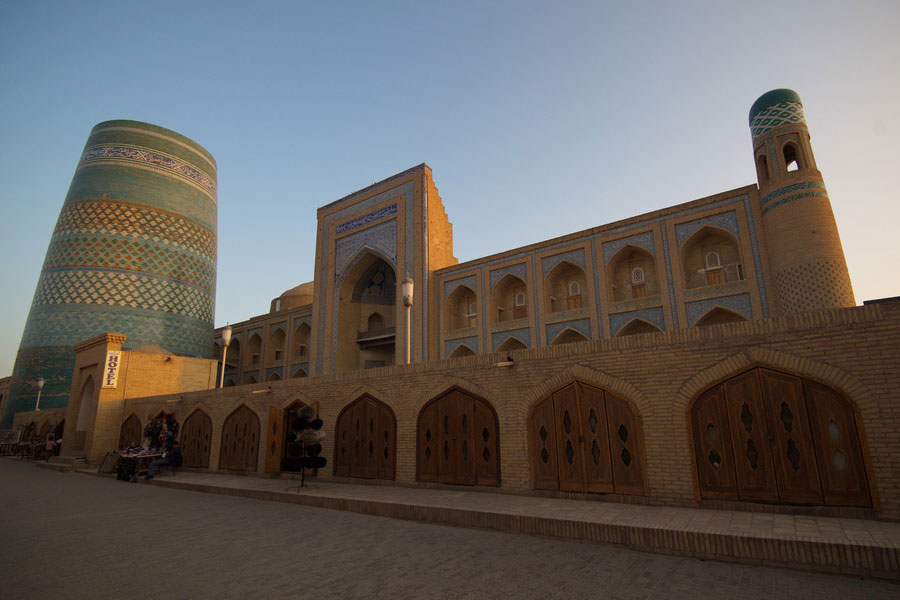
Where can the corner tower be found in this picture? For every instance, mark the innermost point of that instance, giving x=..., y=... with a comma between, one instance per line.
x=805, y=254
x=133, y=252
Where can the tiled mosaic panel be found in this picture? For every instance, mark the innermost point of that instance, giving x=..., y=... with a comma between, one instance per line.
x=61, y=325
x=54, y=364
x=144, y=157
x=523, y=335
x=366, y=219
x=814, y=285
x=98, y=217
x=123, y=290
x=145, y=135
x=739, y=303
x=450, y=346
x=582, y=326
x=450, y=286
x=641, y=240
x=573, y=256
x=517, y=270
x=794, y=187
x=774, y=116
x=654, y=316
x=381, y=237
x=727, y=221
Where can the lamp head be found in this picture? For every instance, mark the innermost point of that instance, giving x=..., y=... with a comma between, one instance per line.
x=40, y=383
x=407, y=290
x=226, y=335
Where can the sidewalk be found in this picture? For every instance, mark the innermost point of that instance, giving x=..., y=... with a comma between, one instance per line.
x=824, y=544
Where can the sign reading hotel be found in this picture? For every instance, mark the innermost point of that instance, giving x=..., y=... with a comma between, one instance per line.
x=111, y=368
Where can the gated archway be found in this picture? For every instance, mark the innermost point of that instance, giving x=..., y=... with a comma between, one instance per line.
x=770, y=436
x=366, y=440
x=132, y=433
x=195, y=440
x=240, y=441
x=585, y=439
x=458, y=441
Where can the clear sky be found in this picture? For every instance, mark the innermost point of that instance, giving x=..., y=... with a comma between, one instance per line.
x=538, y=118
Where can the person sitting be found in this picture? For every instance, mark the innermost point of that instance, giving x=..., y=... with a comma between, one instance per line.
x=171, y=457
x=50, y=448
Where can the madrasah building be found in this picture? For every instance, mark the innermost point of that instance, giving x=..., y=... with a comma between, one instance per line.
x=705, y=354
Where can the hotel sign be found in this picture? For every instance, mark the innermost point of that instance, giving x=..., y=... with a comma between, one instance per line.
x=111, y=368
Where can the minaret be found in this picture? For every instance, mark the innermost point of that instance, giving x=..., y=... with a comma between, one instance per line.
x=806, y=261
x=133, y=252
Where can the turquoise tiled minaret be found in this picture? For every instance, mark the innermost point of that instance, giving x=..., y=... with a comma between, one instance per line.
x=133, y=252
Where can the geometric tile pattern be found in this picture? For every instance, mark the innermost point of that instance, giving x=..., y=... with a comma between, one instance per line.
x=582, y=326
x=574, y=256
x=739, y=303
x=113, y=288
x=776, y=115
x=153, y=159
x=450, y=286
x=641, y=240
x=523, y=335
x=516, y=270
x=651, y=315
x=450, y=346
x=381, y=237
x=726, y=221
x=366, y=219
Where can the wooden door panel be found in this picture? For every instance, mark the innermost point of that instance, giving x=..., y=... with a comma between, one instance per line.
x=793, y=452
x=594, y=440
x=240, y=437
x=343, y=443
x=568, y=430
x=840, y=459
x=369, y=462
x=387, y=442
x=752, y=451
x=195, y=440
x=428, y=444
x=275, y=440
x=487, y=448
x=544, y=449
x=465, y=426
x=132, y=433
x=712, y=445
x=448, y=438
x=626, y=446
x=357, y=417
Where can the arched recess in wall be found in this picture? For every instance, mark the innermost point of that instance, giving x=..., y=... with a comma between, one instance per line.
x=132, y=433
x=273, y=376
x=511, y=343
x=762, y=168
x=565, y=288
x=251, y=379
x=196, y=436
x=461, y=311
x=85, y=406
x=233, y=356
x=711, y=256
x=770, y=436
x=275, y=348
x=792, y=157
x=299, y=373
x=366, y=440
x=719, y=315
x=586, y=439
x=367, y=289
x=240, y=441
x=632, y=275
x=460, y=351
x=45, y=429
x=509, y=299
x=254, y=348
x=636, y=327
x=300, y=346
x=458, y=441
x=568, y=336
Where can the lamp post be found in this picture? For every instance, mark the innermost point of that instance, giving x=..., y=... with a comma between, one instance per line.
x=226, y=339
x=40, y=384
x=407, y=290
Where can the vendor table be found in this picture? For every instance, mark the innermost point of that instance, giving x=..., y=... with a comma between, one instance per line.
x=132, y=466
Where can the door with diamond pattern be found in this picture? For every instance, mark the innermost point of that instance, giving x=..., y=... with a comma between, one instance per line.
x=366, y=444
x=196, y=434
x=584, y=439
x=457, y=441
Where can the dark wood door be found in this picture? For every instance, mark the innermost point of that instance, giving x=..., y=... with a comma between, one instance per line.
x=626, y=443
x=195, y=440
x=275, y=440
x=132, y=433
x=544, y=448
x=568, y=435
x=458, y=442
x=594, y=440
x=752, y=451
x=240, y=441
x=712, y=446
x=366, y=443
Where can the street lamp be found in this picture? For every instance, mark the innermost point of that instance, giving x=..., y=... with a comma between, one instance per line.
x=407, y=290
x=40, y=384
x=226, y=339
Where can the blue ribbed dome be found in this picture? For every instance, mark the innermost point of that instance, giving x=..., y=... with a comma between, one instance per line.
x=772, y=98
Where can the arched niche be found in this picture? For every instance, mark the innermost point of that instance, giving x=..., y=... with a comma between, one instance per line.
x=586, y=439
x=458, y=440
x=299, y=373
x=369, y=287
x=132, y=433
x=240, y=441
x=251, y=379
x=275, y=347
x=510, y=344
x=233, y=356
x=460, y=351
x=762, y=168
x=632, y=275
x=771, y=436
x=85, y=405
x=300, y=346
x=638, y=326
x=568, y=336
x=565, y=288
x=273, y=376
x=461, y=311
x=366, y=440
x=793, y=160
x=711, y=257
x=254, y=349
x=719, y=315
x=510, y=298
x=196, y=438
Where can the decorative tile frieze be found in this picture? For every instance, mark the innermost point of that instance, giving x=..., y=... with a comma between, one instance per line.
x=739, y=303
x=497, y=274
x=450, y=346
x=775, y=116
x=573, y=256
x=377, y=215
x=582, y=326
x=382, y=237
x=727, y=221
x=523, y=335
x=641, y=240
x=653, y=316
x=450, y=286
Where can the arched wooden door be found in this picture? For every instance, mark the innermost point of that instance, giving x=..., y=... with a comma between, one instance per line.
x=585, y=439
x=458, y=441
x=132, y=433
x=195, y=438
x=240, y=441
x=366, y=440
x=769, y=436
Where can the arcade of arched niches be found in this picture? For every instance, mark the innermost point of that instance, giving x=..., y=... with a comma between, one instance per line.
x=684, y=418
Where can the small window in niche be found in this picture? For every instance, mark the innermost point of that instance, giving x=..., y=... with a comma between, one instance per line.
x=791, y=158
x=277, y=354
x=277, y=304
x=637, y=275
x=471, y=312
x=762, y=168
x=520, y=298
x=574, y=288
x=713, y=261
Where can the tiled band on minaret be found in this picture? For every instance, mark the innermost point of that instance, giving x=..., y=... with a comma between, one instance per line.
x=804, y=250
x=133, y=252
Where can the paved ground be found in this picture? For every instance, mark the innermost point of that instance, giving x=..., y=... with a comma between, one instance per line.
x=66, y=535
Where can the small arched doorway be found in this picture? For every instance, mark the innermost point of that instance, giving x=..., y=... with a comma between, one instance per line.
x=366, y=440
x=458, y=440
x=585, y=439
x=132, y=433
x=770, y=436
x=240, y=441
x=195, y=440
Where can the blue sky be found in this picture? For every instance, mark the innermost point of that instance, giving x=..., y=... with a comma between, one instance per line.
x=538, y=118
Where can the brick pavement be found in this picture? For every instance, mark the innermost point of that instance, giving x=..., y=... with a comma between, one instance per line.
x=65, y=535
